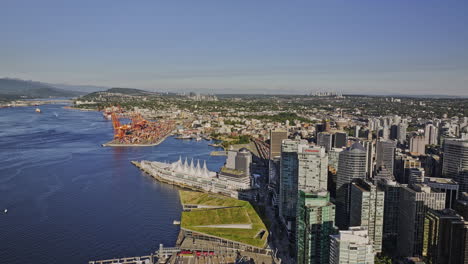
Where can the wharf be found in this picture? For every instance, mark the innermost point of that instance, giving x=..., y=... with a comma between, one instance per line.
x=138, y=165
x=150, y=259
x=110, y=144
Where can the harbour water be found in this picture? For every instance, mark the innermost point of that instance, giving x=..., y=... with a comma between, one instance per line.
x=70, y=200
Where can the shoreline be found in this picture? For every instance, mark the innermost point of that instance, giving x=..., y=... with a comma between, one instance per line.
x=81, y=109
x=28, y=103
x=110, y=144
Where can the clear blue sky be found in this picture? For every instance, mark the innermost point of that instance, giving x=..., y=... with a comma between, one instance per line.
x=378, y=47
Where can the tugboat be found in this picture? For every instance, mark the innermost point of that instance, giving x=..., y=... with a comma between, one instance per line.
x=38, y=110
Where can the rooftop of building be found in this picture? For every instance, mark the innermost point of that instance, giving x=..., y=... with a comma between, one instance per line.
x=357, y=235
x=457, y=141
x=440, y=180
x=357, y=146
x=233, y=219
x=231, y=171
x=419, y=187
x=446, y=213
x=364, y=185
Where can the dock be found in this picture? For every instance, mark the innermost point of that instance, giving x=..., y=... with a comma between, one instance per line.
x=130, y=260
x=111, y=144
x=160, y=256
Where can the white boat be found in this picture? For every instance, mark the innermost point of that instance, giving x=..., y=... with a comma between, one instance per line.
x=198, y=139
x=38, y=110
x=6, y=211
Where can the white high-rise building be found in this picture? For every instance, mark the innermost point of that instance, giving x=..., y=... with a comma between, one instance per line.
x=418, y=145
x=431, y=134
x=352, y=246
x=312, y=169
x=401, y=132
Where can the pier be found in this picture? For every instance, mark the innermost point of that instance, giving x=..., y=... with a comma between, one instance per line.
x=130, y=260
x=160, y=256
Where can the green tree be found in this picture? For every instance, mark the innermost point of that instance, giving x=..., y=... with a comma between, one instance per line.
x=380, y=259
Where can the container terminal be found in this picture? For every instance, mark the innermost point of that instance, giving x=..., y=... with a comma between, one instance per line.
x=139, y=132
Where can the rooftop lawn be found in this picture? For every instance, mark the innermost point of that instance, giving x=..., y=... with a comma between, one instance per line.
x=189, y=197
x=243, y=214
x=233, y=215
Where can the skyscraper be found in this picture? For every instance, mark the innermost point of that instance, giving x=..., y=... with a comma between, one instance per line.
x=403, y=163
x=352, y=246
x=385, y=132
x=313, y=168
x=418, y=145
x=431, y=134
x=276, y=137
x=445, y=238
x=394, y=132
x=385, y=154
x=314, y=225
x=243, y=161
x=447, y=185
x=415, y=200
x=367, y=210
x=391, y=189
x=325, y=140
x=401, y=133
x=351, y=165
x=416, y=175
x=302, y=167
x=455, y=161
x=288, y=184
x=369, y=145
x=340, y=139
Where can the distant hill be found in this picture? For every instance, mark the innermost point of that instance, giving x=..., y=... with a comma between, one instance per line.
x=129, y=91
x=79, y=88
x=15, y=88
x=117, y=92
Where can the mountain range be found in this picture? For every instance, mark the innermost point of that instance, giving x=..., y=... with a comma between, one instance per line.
x=15, y=88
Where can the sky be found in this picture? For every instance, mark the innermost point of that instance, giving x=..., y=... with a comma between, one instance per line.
x=224, y=46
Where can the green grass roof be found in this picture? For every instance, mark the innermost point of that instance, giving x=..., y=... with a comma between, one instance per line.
x=231, y=171
x=199, y=198
x=240, y=212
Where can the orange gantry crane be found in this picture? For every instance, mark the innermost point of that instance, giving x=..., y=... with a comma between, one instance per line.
x=119, y=130
x=140, y=130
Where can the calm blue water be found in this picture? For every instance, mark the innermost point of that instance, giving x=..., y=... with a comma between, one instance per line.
x=70, y=200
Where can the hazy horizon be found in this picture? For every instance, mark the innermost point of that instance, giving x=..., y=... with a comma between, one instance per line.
x=266, y=47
